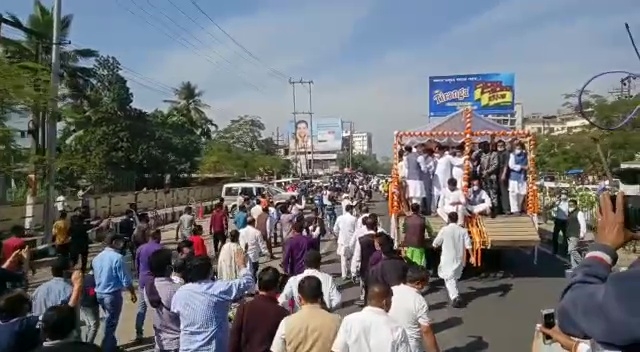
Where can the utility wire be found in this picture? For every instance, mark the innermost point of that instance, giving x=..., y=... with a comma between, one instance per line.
x=252, y=55
x=188, y=45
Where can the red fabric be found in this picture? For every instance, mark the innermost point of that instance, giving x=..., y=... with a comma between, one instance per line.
x=9, y=246
x=218, y=221
x=199, y=248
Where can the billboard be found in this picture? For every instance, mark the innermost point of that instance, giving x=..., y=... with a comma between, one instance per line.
x=486, y=93
x=327, y=134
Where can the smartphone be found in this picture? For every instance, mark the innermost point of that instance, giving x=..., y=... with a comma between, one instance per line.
x=549, y=322
x=631, y=211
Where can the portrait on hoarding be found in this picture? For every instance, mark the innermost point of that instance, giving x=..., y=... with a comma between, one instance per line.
x=302, y=134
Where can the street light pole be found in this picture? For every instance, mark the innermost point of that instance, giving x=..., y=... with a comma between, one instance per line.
x=51, y=123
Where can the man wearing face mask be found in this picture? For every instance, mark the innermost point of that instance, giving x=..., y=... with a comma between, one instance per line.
x=575, y=231
x=518, y=164
x=415, y=166
x=560, y=213
x=478, y=201
x=503, y=182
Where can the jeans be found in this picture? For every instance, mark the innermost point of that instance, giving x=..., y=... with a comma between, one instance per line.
x=142, y=313
x=111, y=304
x=331, y=220
x=90, y=316
x=574, y=255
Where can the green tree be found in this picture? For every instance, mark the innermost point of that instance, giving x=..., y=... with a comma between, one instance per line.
x=360, y=162
x=189, y=107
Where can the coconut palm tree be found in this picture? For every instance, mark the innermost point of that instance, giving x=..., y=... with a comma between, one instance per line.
x=189, y=106
x=37, y=46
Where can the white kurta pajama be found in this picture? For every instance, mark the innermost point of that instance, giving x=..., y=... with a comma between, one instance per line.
x=445, y=205
x=517, y=181
x=457, y=169
x=443, y=167
x=345, y=227
x=415, y=184
x=478, y=202
x=454, y=241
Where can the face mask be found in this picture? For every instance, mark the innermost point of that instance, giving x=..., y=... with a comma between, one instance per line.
x=476, y=188
x=500, y=148
x=518, y=151
x=436, y=155
x=446, y=153
x=564, y=197
x=572, y=208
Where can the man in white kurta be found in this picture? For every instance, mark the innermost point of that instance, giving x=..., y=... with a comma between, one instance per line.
x=457, y=166
x=517, y=178
x=454, y=241
x=345, y=227
x=415, y=165
x=441, y=175
x=452, y=200
x=478, y=201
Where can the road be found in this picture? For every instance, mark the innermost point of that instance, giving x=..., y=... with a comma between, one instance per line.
x=500, y=315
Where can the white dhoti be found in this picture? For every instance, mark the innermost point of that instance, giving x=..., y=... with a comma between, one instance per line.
x=415, y=191
x=517, y=191
x=482, y=208
x=445, y=210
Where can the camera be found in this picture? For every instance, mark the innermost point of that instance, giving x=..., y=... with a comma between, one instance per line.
x=631, y=211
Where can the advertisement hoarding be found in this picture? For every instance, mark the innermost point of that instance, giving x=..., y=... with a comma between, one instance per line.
x=327, y=134
x=486, y=93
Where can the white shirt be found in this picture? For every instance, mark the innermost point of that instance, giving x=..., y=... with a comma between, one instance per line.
x=296, y=209
x=561, y=210
x=447, y=197
x=582, y=221
x=402, y=173
x=359, y=224
x=371, y=330
x=410, y=309
x=482, y=194
x=346, y=202
x=61, y=203
x=255, y=211
x=332, y=296
x=345, y=226
x=252, y=238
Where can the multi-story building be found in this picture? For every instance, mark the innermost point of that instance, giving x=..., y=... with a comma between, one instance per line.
x=562, y=123
x=18, y=123
x=362, y=142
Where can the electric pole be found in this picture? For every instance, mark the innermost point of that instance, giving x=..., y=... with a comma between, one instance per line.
x=307, y=84
x=51, y=123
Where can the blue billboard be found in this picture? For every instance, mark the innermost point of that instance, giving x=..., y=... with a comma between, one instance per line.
x=324, y=132
x=486, y=93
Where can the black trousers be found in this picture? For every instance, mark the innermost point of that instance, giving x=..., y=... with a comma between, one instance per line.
x=219, y=239
x=254, y=270
x=63, y=249
x=79, y=252
x=559, y=225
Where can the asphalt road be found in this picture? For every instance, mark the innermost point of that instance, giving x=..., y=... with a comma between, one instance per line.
x=500, y=316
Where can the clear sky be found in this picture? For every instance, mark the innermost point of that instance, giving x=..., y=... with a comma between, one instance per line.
x=370, y=59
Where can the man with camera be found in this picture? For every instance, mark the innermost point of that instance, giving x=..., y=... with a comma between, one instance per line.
x=598, y=304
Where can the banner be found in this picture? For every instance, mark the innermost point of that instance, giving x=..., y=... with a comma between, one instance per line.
x=486, y=93
x=327, y=134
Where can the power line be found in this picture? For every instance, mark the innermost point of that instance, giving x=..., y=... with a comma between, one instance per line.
x=186, y=44
x=252, y=55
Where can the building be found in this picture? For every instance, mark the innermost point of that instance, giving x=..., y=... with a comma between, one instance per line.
x=18, y=123
x=362, y=142
x=562, y=123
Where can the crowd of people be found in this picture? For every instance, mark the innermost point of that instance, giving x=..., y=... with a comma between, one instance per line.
x=237, y=305
x=432, y=176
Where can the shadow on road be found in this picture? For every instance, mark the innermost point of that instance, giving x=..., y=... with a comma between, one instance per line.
x=478, y=292
x=446, y=324
x=519, y=263
x=478, y=344
x=438, y=306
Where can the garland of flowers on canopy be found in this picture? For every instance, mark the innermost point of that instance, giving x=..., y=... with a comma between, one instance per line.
x=475, y=224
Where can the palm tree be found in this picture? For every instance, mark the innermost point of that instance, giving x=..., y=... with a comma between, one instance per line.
x=188, y=105
x=37, y=46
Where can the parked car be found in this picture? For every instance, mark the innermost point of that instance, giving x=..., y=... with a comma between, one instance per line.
x=231, y=192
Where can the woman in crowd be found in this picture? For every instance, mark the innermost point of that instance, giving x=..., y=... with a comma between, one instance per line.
x=227, y=265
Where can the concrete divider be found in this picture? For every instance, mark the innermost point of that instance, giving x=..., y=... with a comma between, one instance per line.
x=167, y=204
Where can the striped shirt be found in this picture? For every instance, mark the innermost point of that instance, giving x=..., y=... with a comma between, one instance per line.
x=203, y=308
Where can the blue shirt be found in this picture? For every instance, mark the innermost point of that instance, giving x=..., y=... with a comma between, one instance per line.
x=203, y=308
x=142, y=261
x=240, y=220
x=109, y=272
x=52, y=293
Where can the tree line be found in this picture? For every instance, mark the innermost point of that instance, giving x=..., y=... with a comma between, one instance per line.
x=107, y=141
